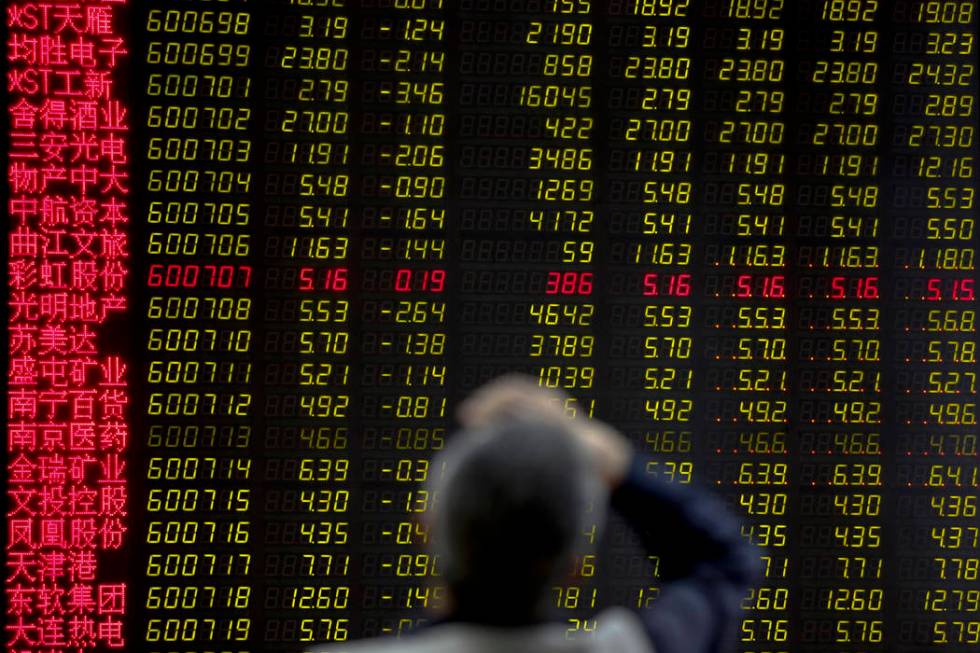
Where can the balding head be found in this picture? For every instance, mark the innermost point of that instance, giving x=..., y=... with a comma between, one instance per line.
x=512, y=499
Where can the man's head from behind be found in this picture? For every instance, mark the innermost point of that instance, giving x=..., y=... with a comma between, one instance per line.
x=513, y=498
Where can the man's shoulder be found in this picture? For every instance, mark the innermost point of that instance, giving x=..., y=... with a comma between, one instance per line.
x=622, y=631
x=619, y=631
x=435, y=639
x=411, y=643
x=442, y=638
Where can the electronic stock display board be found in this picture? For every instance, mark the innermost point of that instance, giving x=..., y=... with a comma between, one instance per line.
x=258, y=251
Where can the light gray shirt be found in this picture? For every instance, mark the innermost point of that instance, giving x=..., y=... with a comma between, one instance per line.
x=618, y=631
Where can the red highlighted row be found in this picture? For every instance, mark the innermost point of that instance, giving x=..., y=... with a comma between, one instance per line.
x=570, y=283
x=198, y=276
x=406, y=280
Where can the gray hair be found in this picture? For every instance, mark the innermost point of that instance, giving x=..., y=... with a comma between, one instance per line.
x=511, y=500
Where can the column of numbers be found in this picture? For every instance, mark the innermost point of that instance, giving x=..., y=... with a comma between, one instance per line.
x=841, y=476
x=747, y=287
x=934, y=88
x=199, y=338
x=307, y=498
x=560, y=89
x=652, y=249
x=405, y=283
